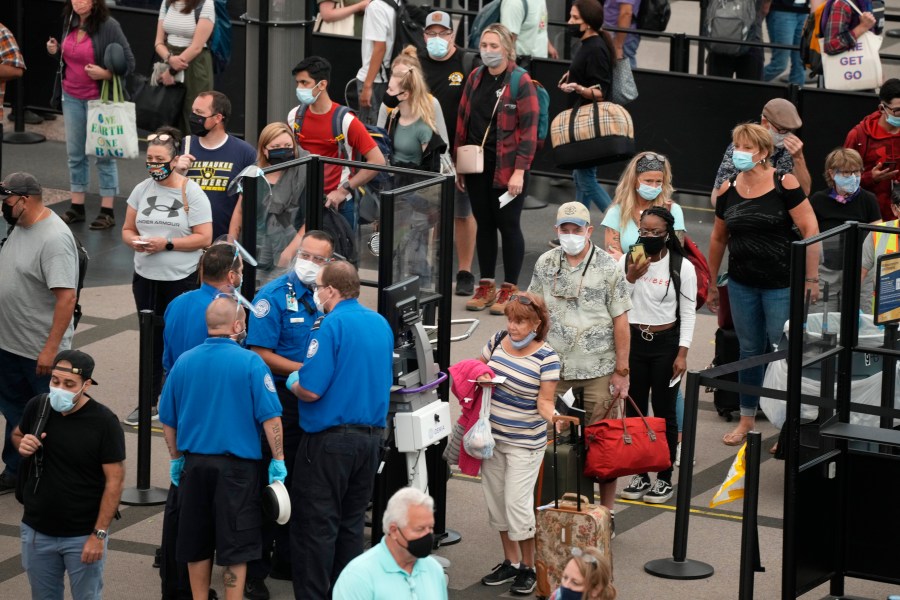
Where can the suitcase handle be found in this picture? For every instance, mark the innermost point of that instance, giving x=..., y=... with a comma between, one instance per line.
x=576, y=497
x=577, y=422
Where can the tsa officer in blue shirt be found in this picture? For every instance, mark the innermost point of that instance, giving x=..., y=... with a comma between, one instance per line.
x=212, y=427
x=344, y=389
x=283, y=316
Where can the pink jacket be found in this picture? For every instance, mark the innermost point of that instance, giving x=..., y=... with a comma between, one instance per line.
x=469, y=396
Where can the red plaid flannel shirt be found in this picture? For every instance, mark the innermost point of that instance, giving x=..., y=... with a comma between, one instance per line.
x=516, y=123
x=842, y=19
x=9, y=56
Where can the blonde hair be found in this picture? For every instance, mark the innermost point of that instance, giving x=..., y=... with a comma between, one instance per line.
x=626, y=190
x=413, y=82
x=755, y=135
x=841, y=159
x=269, y=133
x=506, y=39
x=597, y=574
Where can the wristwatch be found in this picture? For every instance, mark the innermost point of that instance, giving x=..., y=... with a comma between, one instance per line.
x=346, y=186
x=623, y=372
x=169, y=244
x=101, y=534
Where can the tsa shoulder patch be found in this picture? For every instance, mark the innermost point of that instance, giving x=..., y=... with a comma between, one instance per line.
x=261, y=309
x=313, y=348
x=270, y=383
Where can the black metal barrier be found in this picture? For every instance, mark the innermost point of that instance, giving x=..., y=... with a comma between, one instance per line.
x=749, y=532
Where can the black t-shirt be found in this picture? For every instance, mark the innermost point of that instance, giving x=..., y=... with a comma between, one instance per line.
x=830, y=213
x=760, y=232
x=72, y=480
x=483, y=101
x=446, y=80
x=591, y=66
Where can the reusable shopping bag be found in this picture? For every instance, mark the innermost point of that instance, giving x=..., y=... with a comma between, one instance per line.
x=111, y=128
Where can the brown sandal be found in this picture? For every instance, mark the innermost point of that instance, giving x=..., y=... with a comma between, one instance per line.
x=103, y=221
x=72, y=216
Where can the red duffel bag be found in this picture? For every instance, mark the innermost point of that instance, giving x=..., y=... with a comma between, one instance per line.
x=626, y=446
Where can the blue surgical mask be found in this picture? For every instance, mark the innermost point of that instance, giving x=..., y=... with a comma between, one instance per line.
x=523, y=342
x=743, y=161
x=892, y=120
x=846, y=184
x=437, y=47
x=491, y=59
x=61, y=400
x=305, y=96
x=648, y=192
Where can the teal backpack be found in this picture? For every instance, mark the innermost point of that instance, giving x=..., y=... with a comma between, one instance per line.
x=543, y=126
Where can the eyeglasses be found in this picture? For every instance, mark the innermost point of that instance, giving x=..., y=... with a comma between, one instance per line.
x=447, y=33
x=848, y=173
x=651, y=232
x=579, y=553
x=319, y=260
x=160, y=137
x=521, y=299
x=891, y=109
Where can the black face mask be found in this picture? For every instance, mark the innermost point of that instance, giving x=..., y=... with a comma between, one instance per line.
x=198, y=125
x=280, y=155
x=390, y=101
x=653, y=245
x=8, y=213
x=419, y=547
x=575, y=30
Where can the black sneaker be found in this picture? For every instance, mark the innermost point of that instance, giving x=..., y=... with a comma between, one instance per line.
x=502, y=573
x=132, y=419
x=639, y=486
x=255, y=589
x=465, y=283
x=7, y=483
x=661, y=492
x=525, y=582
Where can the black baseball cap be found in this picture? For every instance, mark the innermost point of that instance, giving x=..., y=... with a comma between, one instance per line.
x=82, y=364
x=20, y=184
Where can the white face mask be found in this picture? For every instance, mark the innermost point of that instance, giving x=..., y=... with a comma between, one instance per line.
x=306, y=271
x=572, y=243
x=320, y=306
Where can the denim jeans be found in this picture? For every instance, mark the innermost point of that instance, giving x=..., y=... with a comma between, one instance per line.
x=18, y=385
x=46, y=559
x=785, y=28
x=75, y=113
x=588, y=190
x=630, y=48
x=759, y=316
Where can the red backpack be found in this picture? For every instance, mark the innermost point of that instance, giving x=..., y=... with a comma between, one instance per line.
x=700, y=267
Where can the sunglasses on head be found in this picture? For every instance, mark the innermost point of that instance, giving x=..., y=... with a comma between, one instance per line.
x=521, y=299
x=654, y=156
x=579, y=553
x=160, y=137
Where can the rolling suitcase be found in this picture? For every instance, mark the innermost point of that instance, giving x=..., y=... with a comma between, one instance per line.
x=569, y=521
x=566, y=468
x=727, y=351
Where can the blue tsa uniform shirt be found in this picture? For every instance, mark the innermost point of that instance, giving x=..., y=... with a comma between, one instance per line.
x=349, y=365
x=283, y=315
x=186, y=323
x=217, y=396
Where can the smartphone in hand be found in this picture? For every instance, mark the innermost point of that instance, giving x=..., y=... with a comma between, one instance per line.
x=637, y=254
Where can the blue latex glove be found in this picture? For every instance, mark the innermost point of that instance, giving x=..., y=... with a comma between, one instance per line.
x=277, y=471
x=176, y=466
x=292, y=379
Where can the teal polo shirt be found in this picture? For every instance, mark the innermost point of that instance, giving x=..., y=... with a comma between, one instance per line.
x=375, y=575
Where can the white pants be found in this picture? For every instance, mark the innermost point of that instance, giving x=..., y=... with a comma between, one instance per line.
x=508, y=479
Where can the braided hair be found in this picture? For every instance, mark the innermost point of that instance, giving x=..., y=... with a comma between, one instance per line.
x=673, y=245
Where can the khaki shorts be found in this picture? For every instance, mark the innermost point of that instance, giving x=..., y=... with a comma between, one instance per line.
x=508, y=479
x=597, y=399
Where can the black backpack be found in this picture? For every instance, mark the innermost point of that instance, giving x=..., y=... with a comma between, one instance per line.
x=409, y=27
x=43, y=415
x=654, y=15
x=344, y=241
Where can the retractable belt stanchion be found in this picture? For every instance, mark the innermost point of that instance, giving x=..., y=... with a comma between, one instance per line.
x=143, y=494
x=679, y=566
x=749, y=532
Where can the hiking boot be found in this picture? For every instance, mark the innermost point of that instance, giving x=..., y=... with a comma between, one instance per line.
x=465, y=283
x=485, y=295
x=661, y=492
x=502, y=573
x=132, y=419
x=103, y=221
x=639, y=486
x=506, y=290
x=525, y=582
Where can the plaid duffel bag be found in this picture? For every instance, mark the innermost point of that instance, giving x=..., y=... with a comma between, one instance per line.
x=599, y=133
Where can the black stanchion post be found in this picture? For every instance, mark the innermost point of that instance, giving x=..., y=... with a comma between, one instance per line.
x=19, y=135
x=679, y=54
x=315, y=197
x=749, y=532
x=679, y=566
x=248, y=231
x=144, y=494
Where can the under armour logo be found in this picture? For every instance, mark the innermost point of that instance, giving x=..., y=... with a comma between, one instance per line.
x=172, y=210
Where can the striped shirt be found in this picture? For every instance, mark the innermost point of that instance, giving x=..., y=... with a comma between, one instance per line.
x=514, y=415
x=180, y=27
